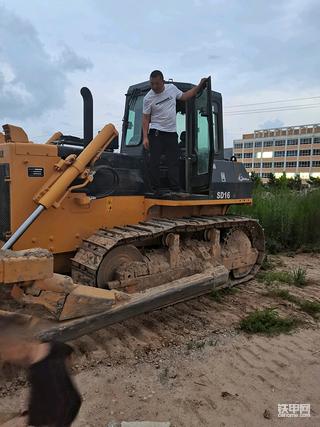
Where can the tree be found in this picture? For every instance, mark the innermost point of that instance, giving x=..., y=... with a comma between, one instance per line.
x=272, y=181
x=283, y=181
x=314, y=182
x=295, y=183
x=255, y=178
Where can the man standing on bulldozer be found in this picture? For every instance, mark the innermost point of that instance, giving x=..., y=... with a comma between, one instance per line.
x=159, y=128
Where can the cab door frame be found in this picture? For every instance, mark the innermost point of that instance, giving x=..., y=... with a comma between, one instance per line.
x=200, y=182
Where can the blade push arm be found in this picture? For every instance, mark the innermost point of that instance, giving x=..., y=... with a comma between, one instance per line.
x=66, y=171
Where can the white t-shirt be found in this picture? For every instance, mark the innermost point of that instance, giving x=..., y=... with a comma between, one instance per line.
x=162, y=107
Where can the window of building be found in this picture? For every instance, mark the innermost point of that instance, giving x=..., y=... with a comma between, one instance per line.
x=278, y=164
x=316, y=140
x=248, y=144
x=247, y=165
x=267, y=165
x=265, y=175
x=267, y=154
x=316, y=152
x=316, y=163
x=238, y=145
x=292, y=153
x=304, y=152
x=268, y=144
x=257, y=165
x=258, y=154
x=304, y=164
x=305, y=140
x=258, y=144
x=238, y=155
x=279, y=154
x=247, y=155
x=292, y=141
x=280, y=142
x=291, y=164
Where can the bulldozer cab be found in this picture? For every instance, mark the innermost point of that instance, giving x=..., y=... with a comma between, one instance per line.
x=199, y=128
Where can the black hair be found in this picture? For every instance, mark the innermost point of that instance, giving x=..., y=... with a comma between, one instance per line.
x=156, y=73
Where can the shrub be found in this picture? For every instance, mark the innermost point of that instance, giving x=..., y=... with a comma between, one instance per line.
x=270, y=277
x=311, y=307
x=299, y=277
x=267, y=322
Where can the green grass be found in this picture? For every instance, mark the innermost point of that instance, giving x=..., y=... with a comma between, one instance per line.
x=218, y=295
x=310, y=307
x=289, y=217
x=267, y=322
x=297, y=277
x=270, y=277
x=282, y=293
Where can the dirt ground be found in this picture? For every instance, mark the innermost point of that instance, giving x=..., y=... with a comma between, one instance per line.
x=190, y=365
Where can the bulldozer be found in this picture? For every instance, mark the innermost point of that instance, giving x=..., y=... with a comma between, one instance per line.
x=85, y=243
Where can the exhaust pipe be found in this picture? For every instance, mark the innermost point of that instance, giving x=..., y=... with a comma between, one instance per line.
x=87, y=115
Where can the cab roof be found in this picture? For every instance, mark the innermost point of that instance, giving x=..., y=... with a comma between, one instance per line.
x=144, y=87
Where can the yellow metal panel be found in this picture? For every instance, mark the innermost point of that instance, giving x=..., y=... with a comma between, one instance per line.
x=62, y=230
x=35, y=150
x=25, y=266
x=159, y=202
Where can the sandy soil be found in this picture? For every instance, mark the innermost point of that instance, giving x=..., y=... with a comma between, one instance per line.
x=189, y=364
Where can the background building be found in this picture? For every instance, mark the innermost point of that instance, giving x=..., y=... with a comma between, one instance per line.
x=293, y=150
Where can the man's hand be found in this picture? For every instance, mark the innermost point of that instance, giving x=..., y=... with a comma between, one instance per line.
x=202, y=83
x=196, y=89
x=146, y=118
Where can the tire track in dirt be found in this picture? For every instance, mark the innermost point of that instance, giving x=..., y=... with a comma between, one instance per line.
x=196, y=320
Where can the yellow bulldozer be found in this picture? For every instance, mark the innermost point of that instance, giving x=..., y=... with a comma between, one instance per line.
x=85, y=243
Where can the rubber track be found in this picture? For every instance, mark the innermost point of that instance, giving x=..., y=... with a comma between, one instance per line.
x=86, y=262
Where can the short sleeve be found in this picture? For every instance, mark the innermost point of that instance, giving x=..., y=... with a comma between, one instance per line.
x=178, y=92
x=146, y=105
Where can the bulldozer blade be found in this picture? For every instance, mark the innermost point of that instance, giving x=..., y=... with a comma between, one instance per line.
x=61, y=300
x=86, y=300
x=152, y=299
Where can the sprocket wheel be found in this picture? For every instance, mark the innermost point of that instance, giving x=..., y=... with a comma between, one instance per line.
x=237, y=242
x=114, y=259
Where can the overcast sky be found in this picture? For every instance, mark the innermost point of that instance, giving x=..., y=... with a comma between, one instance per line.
x=256, y=51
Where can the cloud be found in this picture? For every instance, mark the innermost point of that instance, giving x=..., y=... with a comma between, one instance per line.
x=255, y=51
x=269, y=124
x=32, y=82
x=70, y=61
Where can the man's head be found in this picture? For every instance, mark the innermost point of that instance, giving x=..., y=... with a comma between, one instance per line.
x=157, y=81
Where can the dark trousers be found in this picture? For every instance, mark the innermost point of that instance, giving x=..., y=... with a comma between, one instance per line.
x=164, y=143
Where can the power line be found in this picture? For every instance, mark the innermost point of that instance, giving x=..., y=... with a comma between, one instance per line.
x=272, y=108
x=292, y=108
x=272, y=102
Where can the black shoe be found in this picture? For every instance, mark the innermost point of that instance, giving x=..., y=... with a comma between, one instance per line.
x=161, y=193
x=181, y=194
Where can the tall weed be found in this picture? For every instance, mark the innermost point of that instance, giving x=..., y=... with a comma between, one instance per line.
x=291, y=219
